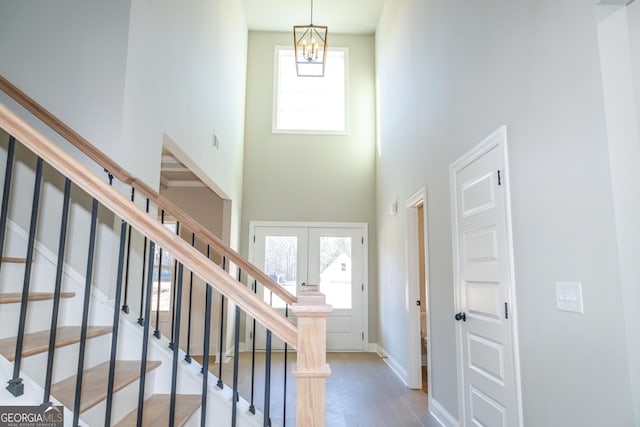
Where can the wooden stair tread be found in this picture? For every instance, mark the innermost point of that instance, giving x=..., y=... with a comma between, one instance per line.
x=14, y=260
x=156, y=410
x=16, y=297
x=38, y=342
x=94, y=383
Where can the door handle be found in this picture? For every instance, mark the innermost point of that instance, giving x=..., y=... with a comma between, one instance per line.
x=461, y=316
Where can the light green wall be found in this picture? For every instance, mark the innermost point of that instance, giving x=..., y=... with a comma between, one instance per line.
x=449, y=73
x=311, y=177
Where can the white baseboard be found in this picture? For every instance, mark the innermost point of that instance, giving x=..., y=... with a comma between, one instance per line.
x=442, y=415
x=437, y=410
x=393, y=364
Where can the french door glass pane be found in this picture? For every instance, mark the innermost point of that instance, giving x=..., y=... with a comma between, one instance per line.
x=281, y=265
x=335, y=270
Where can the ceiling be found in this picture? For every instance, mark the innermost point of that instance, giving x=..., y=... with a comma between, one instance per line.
x=341, y=16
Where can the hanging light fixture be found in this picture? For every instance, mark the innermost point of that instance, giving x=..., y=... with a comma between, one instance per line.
x=310, y=43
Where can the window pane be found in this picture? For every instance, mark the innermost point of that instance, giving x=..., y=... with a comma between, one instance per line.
x=311, y=103
x=335, y=270
x=281, y=265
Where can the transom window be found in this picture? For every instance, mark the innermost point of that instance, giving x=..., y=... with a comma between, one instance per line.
x=316, y=105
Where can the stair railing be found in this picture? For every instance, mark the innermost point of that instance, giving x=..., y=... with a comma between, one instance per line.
x=311, y=311
x=152, y=197
x=141, y=188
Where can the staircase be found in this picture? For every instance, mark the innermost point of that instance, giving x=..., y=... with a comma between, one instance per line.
x=78, y=326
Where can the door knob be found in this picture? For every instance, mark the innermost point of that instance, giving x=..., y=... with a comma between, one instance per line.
x=461, y=316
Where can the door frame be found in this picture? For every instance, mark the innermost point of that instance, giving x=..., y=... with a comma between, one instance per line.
x=414, y=371
x=363, y=226
x=497, y=138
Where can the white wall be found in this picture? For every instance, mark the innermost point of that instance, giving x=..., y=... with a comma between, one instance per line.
x=449, y=73
x=618, y=32
x=311, y=177
x=129, y=75
x=70, y=56
x=186, y=68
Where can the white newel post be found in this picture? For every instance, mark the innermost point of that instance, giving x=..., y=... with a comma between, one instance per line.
x=311, y=369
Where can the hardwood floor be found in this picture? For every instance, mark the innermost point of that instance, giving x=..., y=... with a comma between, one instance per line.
x=361, y=391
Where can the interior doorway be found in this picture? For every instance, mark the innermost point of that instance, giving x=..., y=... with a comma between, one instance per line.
x=417, y=289
x=186, y=186
x=422, y=285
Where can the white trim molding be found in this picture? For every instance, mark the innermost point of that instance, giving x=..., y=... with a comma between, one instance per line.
x=497, y=139
x=412, y=282
x=393, y=364
x=442, y=415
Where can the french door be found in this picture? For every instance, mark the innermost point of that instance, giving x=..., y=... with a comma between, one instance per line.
x=329, y=255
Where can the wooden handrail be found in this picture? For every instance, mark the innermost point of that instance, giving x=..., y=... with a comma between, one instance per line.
x=136, y=217
x=141, y=187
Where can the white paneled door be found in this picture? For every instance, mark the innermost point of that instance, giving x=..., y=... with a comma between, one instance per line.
x=329, y=255
x=486, y=329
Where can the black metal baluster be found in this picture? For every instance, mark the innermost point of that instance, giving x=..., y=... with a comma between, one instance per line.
x=205, y=356
x=176, y=349
x=156, y=333
x=15, y=386
x=125, y=305
x=236, y=361
x=109, y=176
x=144, y=257
x=116, y=325
x=202, y=370
x=252, y=407
x=56, y=293
x=187, y=356
x=85, y=311
x=286, y=348
x=267, y=382
x=145, y=335
x=220, y=383
x=173, y=292
x=6, y=193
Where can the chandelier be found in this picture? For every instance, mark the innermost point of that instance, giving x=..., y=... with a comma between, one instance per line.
x=310, y=46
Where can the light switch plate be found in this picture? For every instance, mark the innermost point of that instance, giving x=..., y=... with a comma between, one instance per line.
x=569, y=297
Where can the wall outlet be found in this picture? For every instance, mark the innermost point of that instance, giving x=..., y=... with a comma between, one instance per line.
x=215, y=142
x=569, y=297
